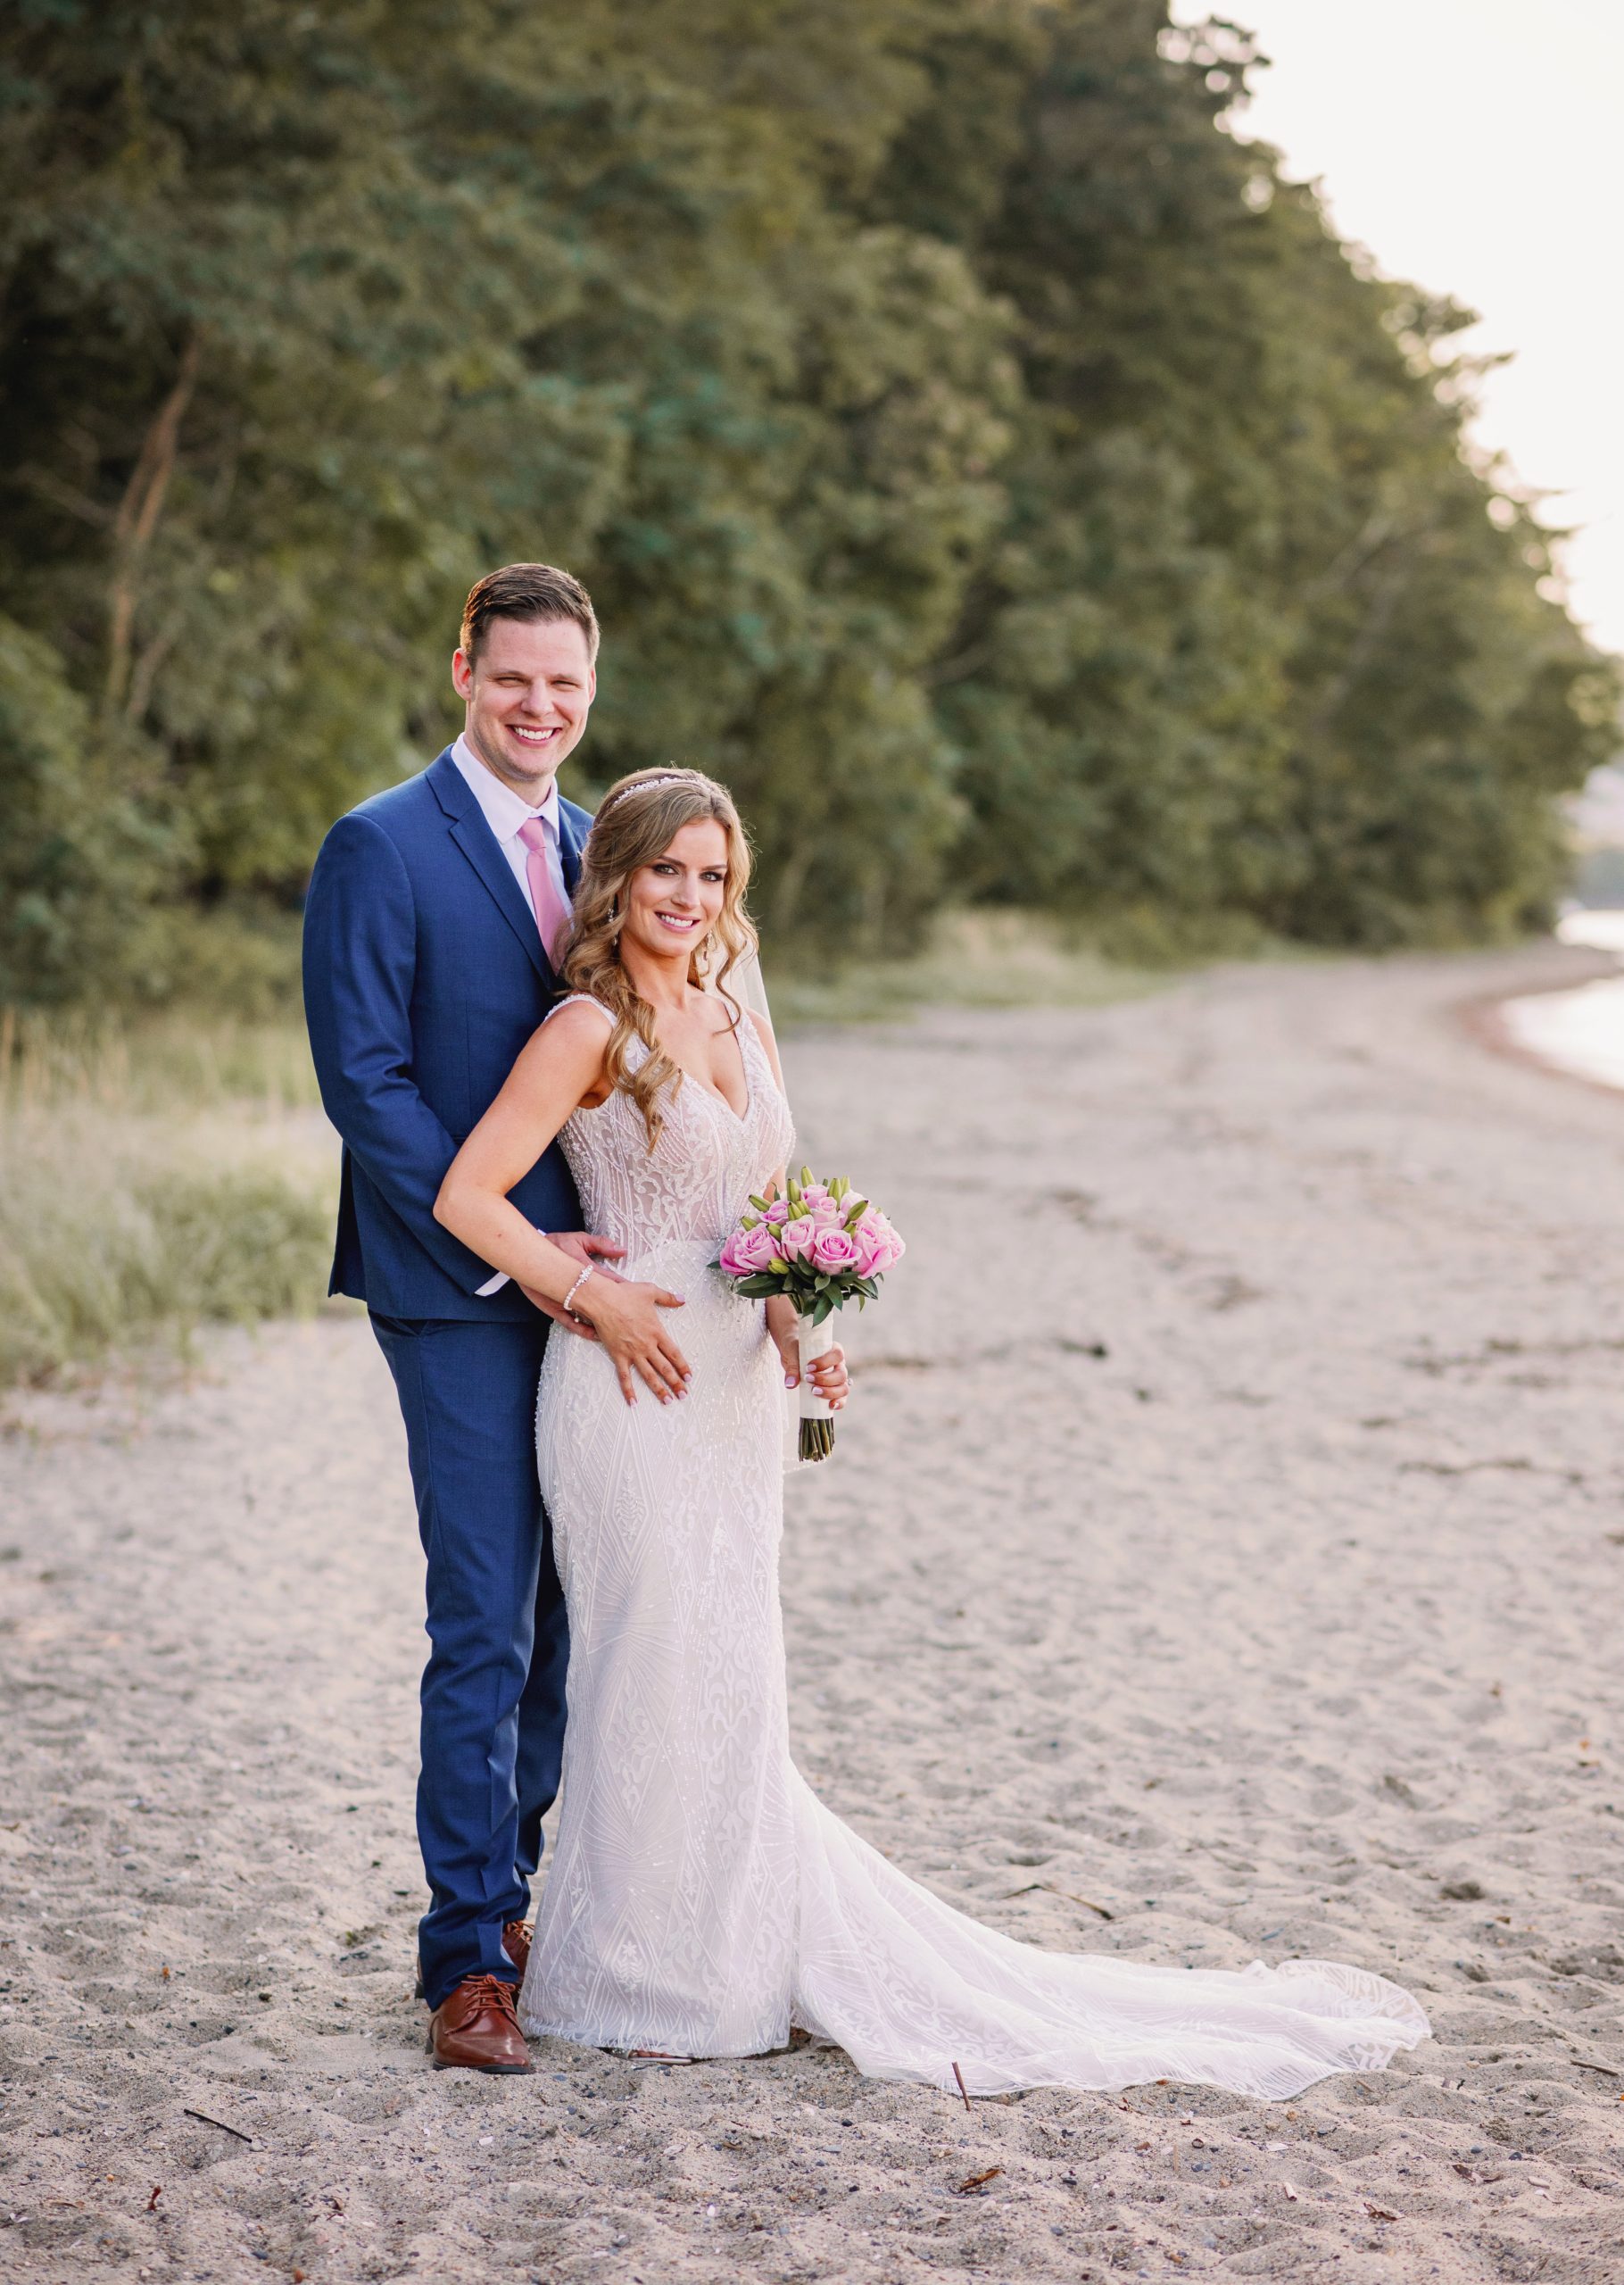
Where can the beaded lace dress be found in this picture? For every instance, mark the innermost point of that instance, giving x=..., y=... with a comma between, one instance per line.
x=701, y=1900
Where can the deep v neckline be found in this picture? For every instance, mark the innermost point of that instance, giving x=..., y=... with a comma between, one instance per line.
x=739, y=1117
x=715, y=1094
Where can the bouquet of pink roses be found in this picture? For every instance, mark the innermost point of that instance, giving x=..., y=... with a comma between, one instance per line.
x=822, y=1247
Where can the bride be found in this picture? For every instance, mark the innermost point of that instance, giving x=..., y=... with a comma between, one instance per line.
x=702, y=1901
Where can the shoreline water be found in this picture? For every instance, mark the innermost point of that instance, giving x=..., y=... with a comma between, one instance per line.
x=1574, y=1030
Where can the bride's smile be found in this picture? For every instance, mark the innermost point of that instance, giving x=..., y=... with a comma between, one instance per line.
x=677, y=899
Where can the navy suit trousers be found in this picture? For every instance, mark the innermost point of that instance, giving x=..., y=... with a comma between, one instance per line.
x=493, y=1695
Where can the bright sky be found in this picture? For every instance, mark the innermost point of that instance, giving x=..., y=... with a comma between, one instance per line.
x=1477, y=147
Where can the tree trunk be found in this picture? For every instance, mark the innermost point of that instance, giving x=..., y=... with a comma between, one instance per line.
x=137, y=519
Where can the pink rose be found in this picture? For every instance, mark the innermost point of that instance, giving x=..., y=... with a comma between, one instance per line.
x=824, y=1212
x=835, y=1249
x=749, y=1250
x=878, y=1245
x=816, y=1193
x=778, y=1212
x=796, y=1237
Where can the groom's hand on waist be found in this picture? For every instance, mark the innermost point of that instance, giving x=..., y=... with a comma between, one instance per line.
x=592, y=1252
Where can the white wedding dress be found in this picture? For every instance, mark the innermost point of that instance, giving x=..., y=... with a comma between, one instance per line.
x=701, y=1899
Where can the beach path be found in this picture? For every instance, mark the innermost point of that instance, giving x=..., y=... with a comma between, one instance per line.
x=1223, y=1559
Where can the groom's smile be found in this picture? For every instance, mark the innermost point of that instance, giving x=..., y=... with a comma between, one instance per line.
x=528, y=689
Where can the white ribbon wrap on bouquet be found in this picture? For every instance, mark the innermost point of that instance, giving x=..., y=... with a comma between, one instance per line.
x=813, y=1341
x=814, y=1436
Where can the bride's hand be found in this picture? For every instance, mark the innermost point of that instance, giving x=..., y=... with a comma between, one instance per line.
x=829, y=1374
x=627, y=1318
x=592, y=1252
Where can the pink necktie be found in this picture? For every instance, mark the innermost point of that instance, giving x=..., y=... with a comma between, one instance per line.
x=552, y=915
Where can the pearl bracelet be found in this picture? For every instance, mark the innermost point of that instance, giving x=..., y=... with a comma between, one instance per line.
x=575, y=1289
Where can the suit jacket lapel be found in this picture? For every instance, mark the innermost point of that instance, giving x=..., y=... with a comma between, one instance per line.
x=478, y=844
x=572, y=840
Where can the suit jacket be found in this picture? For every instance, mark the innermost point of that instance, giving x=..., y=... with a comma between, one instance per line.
x=424, y=976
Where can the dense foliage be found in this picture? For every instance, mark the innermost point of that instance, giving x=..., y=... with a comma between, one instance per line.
x=977, y=456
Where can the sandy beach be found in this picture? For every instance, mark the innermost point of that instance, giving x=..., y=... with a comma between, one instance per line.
x=1222, y=1560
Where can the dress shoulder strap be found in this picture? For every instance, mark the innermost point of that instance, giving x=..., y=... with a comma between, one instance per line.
x=753, y=1048
x=580, y=999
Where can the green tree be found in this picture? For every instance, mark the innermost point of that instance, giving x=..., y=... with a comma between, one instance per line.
x=1250, y=639
x=978, y=457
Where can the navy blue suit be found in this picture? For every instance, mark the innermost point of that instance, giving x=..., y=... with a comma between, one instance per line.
x=424, y=976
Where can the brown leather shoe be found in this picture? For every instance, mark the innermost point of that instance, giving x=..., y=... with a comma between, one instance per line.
x=515, y=1943
x=476, y=2028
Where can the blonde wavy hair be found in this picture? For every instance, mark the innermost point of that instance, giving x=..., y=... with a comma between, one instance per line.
x=636, y=822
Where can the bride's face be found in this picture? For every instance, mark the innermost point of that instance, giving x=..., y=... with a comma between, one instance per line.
x=674, y=903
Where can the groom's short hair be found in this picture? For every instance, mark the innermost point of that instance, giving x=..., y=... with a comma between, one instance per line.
x=527, y=591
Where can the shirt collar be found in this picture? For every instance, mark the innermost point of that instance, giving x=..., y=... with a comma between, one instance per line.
x=504, y=811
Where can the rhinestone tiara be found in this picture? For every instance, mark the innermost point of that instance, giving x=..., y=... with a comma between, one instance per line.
x=669, y=778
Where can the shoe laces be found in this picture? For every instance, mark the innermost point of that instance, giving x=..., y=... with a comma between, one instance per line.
x=491, y=1991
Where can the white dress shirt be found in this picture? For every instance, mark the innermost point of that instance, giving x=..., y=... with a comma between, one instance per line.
x=504, y=812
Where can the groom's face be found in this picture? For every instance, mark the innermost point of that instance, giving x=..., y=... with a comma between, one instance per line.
x=528, y=693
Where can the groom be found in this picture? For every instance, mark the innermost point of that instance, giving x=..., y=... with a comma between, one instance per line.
x=434, y=912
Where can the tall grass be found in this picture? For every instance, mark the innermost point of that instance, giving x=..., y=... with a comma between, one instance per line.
x=189, y=1061
x=977, y=959
x=153, y=1179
